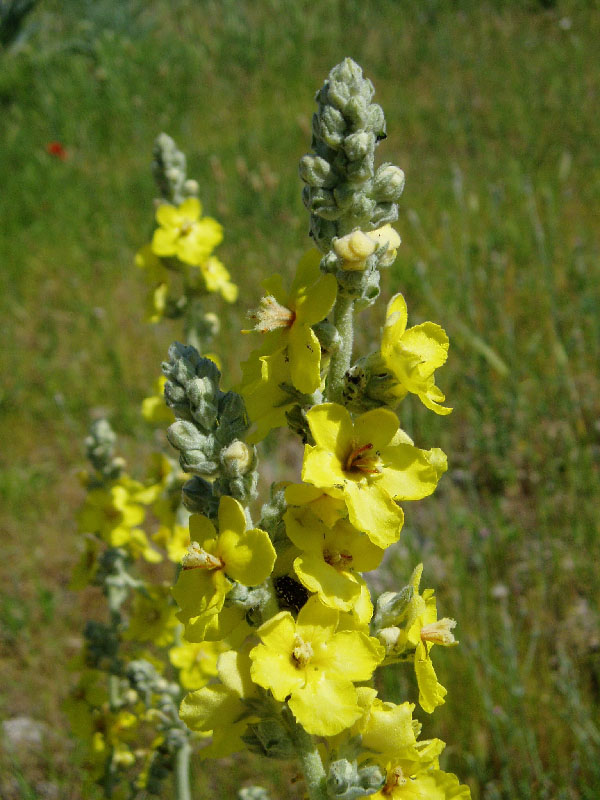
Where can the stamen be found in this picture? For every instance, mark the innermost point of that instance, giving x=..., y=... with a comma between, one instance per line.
x=186, y=227
x=395, y=778
x=271, y=315
x=302, y=652
x=338, y=559
x=197, y=558
x=357, y=462
x=439, y=632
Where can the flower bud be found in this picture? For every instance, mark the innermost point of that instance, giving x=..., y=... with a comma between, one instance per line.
x=346, y=782
x=236, y=458
x=390, y=608
x=191, y=188
x=316, y=171
x=197, y=496
x=387, y=237
x=269, y=738
x=357, y=145
x=354, y=249
x=253, y=793
x=388, y=183
x=389, y=637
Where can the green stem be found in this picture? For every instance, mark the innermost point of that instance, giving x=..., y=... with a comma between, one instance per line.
x=343, y=319
x=309, y=757
x=182, y=772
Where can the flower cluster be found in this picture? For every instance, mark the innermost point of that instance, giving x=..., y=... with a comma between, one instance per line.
x=179, y=264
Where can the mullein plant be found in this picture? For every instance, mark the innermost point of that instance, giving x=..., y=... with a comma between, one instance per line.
x=283, y=594
x=135, y=667
x=275, y=635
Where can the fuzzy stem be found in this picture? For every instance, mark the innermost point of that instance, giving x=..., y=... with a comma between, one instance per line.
x=310, y=760
x=343, y=319
x=182, y=772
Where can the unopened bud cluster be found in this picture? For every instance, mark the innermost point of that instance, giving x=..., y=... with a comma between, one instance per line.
x=169, y=171
x=344, y=191
x=208, y=430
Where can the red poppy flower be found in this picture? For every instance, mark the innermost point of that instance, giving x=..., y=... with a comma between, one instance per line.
x=56, y=149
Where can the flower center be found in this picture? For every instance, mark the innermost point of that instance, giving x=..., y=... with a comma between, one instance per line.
x=361, y=460
x=302, y=652
x=197, y=558
x=395, y=778
x=271, y=315
x=186, y=227
x=338, y=559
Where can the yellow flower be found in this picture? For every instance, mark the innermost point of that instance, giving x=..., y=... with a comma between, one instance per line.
x=247, y=556
x=157, y=278
x=328, y=506
x=330, y=557
x=218, y=279
x=371, y=463
x=153, y=617
x=138, y=545
x=184, y=233
x=154, y=408
x=413, y=355
x=218, y=709
x=355, y=248
x=421, y=630
x=313, y=667
x=290, y=315
x=89, y=694
x=111, y=513
x=175, y=539
x=264, y=392
x=196, y=662
x=387, y=728
x=408, y=780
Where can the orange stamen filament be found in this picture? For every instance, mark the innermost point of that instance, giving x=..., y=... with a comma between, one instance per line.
x=339, y=560
x=358, y=463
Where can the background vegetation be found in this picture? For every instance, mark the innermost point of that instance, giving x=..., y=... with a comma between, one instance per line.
x=492, y=113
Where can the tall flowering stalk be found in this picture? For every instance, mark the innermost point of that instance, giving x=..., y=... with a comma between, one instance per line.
x=285, y=596
x=135, y=667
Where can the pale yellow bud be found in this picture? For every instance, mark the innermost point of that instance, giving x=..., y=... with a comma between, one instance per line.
x=354, y=249
x=389, y=637
x=236, y=457
x=386, y=235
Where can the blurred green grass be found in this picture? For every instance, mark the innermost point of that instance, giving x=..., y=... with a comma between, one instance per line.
x=492, y=113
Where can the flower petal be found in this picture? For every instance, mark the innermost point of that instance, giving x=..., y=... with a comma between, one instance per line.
x=431, y=693
x=190, y=209
x=304, y=352
x=325, y=707
x=332, y=429
x=376, y=427
x=249, y=557
x=336, y=589
x=408, y=474
x=318, y=301
x=373, y=511
x=354, y=655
